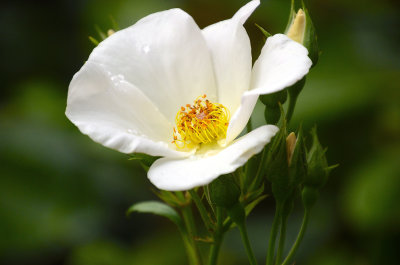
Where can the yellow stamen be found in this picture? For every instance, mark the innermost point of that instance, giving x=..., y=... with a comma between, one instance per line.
x=201, y=123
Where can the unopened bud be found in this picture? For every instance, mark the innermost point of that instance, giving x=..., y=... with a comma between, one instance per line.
x=224, y=191
x=290, y=145
x=318, y=169
x=300, y=28
x=296, y=30
x=110, y=32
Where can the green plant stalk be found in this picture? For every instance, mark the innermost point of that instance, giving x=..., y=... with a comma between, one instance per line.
x=274, y=232
x=292, y=105
x=300, y=236
x=218, y=234
x=194, y=255
x=282, y=237
x=202, y=209
x=246, y=243
x=190, y=250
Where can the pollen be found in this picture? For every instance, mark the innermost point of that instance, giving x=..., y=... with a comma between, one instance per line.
x=200, y=123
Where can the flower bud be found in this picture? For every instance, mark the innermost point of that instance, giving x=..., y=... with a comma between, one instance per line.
x=277, y=166
x=290, y=145
x=286, y=164
x=318, y=169
x=296, y=158
x=110, y=32
x=224, y=191
x=317, y=173
x=296, y=30
x=301, y=29
x=272, y=103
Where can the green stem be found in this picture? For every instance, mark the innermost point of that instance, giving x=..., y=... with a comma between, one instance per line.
x=215, y=247
x=187, y=214
x=300, y=236
x=246, y=242
x=294, y=92
x=190, y=250
x=292, y=104
x=282, y=237
x=202, y=209
x=274, y=232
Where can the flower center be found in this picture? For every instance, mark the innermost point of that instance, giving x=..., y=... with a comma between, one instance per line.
x=200, y=123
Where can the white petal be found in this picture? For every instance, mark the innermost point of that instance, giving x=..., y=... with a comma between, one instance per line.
x=115, y=113
x=231, y=54
x=184, y=174
x=243, y=13
x=165, y=56
x=241, y=116
x=281, y=64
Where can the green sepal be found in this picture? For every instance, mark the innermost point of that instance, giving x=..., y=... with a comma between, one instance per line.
x=251, y=169
x=224, y=191
x=93, y=40
x=292, y=15
x=310, y=40
x=145, y=160
x=277, y=165
x=157, y=208
x=249, y=207
x=298, y=165
x=170, y=198
x=253, y=194
x=263, y=31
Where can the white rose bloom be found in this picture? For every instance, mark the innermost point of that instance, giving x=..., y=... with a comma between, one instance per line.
x=164, y=87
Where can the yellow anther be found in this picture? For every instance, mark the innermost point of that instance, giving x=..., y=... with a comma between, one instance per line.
x=200, y=123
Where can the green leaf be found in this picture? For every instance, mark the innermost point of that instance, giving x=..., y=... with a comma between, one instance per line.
x=157, y=208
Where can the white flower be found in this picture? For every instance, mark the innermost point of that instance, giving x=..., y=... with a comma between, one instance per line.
x=127, y=95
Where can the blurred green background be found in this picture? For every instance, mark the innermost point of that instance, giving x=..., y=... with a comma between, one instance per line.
x=63, y=197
